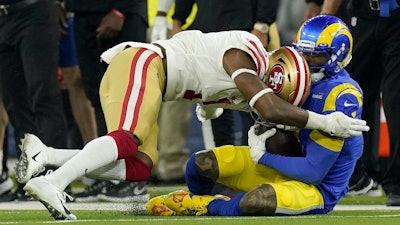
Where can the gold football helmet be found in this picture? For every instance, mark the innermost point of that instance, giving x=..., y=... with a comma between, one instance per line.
x=288, y=75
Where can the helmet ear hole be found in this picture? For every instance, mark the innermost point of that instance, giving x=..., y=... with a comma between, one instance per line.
x=288, y=75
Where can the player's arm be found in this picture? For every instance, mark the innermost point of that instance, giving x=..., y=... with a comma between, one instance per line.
x=242, y=69
x=161, y=25
x=330, y=7
x=321, y=149
x=182, y=12
x=270, y=106
x=310, y=169
x=265, y=16
x=321, y=152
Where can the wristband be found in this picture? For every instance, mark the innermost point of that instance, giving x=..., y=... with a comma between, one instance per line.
x=118, y=13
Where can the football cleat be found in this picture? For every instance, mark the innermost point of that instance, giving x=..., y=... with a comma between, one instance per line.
x=125, y=191
x=90, y=192
x=156, y=206
x=51, y=197
x=184, y=202
x=32, y=160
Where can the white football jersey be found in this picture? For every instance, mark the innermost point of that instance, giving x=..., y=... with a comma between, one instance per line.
x=195, y=68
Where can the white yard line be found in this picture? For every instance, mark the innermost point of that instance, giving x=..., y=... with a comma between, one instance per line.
x=35, y=205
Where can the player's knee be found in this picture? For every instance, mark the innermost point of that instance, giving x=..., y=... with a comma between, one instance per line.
x=137, y=169
x=127, y=143
x=259, y=201
x=206, y=163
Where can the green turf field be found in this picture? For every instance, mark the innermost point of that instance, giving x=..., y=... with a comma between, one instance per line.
x=351, y=210
x=363, y=217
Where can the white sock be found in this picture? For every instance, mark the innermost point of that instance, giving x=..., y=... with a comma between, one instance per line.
x=113, y=171
x=57, y=157
x=96, y=154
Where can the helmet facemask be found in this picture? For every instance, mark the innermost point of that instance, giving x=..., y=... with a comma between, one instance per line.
x=328, y=35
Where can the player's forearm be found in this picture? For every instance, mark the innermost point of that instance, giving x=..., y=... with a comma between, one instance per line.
x=182, y=10
x=330, y=7
x=310, y=169
x=273, y=109
x=163, y=7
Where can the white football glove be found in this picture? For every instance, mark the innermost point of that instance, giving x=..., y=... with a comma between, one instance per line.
x=257, y=142
x=337, y=124
x=160, y=28
x=205, y=113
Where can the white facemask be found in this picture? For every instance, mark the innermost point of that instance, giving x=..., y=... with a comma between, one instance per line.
x=315, y=77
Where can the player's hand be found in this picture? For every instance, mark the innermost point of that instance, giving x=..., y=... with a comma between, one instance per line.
x=205, y=113
x=257, y=142
x=110, y=26
x=340, y=125
x=62, y=17
x=160, y=28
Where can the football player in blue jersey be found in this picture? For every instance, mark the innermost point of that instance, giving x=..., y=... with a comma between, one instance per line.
x=272, y=184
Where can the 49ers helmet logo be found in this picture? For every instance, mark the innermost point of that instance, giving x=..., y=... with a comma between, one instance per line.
x=276, y=79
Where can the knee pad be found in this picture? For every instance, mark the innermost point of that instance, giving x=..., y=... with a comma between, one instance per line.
x=136, y=170
x=127, y=146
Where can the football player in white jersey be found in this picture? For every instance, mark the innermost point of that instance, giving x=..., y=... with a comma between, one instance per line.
x=215, y=70
x=283, y=180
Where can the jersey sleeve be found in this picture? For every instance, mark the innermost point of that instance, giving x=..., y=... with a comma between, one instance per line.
x=346, y=98
x=257, y=52
x=308, y=169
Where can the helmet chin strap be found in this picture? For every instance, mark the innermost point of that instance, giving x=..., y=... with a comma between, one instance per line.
x=259, y=120
x=315, y=77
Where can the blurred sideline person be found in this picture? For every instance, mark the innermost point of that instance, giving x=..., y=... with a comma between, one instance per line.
x=221, y=70
x=29, y=54
x=289, y=18
x=81, y=108
x=99, y=25
x=174, y=117
x=272, y=184
x=376, y=66
x=6, y=183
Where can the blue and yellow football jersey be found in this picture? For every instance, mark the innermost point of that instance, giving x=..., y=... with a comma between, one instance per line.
x=329, y=161
x=339, y=93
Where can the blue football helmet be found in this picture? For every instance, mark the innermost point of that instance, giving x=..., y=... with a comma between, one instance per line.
x=329, y=35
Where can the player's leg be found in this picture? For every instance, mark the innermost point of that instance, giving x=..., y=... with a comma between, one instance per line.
x=116, y=145
x=282, y=198
x=229, y=165
x=35, y=156
x=201, y=172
